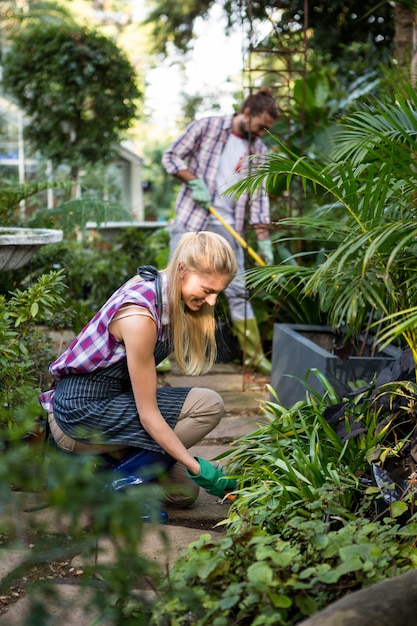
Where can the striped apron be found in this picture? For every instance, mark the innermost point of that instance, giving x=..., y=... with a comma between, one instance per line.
x=99, y=407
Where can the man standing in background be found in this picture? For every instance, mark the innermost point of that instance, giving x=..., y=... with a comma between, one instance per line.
x=209, y=156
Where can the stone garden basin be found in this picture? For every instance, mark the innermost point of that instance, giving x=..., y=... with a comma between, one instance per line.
x=17, y=245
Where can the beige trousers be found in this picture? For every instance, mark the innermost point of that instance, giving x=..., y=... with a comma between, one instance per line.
x=201, y=412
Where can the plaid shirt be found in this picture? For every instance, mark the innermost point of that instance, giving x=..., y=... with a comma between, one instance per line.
x=199, y=149
x=95, y=347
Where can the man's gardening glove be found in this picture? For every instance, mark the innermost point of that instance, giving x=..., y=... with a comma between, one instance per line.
x=212, y=479
x=265, y=251
x=200, y=193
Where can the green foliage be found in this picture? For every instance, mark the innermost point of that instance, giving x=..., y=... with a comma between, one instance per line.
x=367, y=228
x=257, y=579
x=77, y=88
x=11, y=195
x=25, y=351
x=72, y=216
x=85, y=518
x=335, y=25
x=285, y=295
x=319, y=100
x=288, y=461
x=295, y=458
x=305, y=527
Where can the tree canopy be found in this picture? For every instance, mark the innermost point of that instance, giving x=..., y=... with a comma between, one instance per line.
x=334, y=24
x=77, y=88
x=173, y=22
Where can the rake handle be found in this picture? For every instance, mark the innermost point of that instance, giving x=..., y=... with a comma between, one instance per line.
x=238, y=238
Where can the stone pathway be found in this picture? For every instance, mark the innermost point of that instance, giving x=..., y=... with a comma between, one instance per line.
x=242, y=394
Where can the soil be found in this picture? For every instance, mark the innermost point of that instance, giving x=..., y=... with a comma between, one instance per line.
x=335, y=344
x=57, y=571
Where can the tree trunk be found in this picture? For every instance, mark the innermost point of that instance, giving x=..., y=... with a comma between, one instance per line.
x=75, y=182
x=404, y=38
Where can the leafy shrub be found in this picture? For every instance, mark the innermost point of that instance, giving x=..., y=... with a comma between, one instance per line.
x=71, y=216
x=25, y=351
x=256, y=578
x=308, y=523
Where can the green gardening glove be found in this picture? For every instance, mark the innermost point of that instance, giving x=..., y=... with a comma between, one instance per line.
x=265, y=250
x=200, y=193
x=212, y=479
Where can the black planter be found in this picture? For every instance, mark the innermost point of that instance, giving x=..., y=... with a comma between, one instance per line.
x=294, y=354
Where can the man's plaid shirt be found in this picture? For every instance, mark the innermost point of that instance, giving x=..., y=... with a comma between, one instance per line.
x=199, y=149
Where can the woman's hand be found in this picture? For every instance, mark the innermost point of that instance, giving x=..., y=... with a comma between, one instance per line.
x=212, y=479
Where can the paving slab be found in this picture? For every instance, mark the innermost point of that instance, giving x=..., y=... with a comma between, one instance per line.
x=231, y=427
x=236, y=401
x=28, y=513
x=9, y=560
x=244, y=402
x=161, y=543
x=219, y=382
x=204, y=514
x=70, y=605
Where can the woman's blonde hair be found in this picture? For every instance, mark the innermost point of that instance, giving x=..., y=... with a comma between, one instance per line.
x=193, y=332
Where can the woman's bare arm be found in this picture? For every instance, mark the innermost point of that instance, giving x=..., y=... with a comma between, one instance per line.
x=138, y=333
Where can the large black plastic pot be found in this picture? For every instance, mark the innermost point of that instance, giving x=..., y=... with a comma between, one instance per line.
x=298, y=348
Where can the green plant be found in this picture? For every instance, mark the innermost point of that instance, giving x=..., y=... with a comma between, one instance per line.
x=72, y=216
x=366, y=277
x=77, y=88
x=288, y=462
x=307, y=525
x=11, y=195
x=255, y=578
x=325, y=441
x=25, y=352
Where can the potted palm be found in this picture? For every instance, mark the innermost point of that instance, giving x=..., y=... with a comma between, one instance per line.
x=365, y=282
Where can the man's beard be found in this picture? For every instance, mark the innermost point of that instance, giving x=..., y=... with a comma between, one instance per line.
x=244, y=133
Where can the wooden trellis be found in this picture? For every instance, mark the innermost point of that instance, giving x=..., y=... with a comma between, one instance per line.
x=269, y=59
